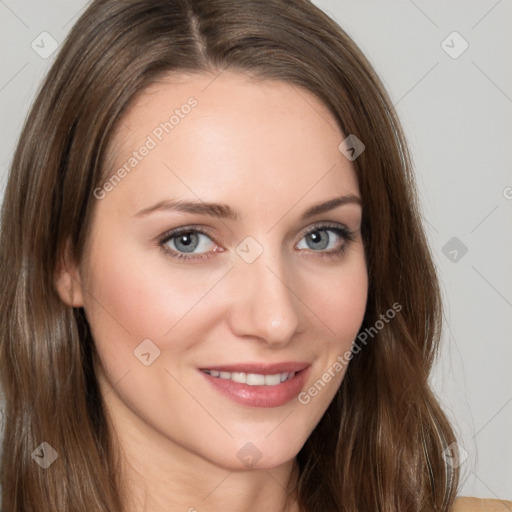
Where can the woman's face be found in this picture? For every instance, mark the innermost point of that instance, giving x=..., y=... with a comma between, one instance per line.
x=260, y=281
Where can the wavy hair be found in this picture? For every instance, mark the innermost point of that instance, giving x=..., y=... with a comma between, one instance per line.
x=379, y=445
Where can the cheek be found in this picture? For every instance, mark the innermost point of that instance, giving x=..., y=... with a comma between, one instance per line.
x=139, y=292
x=340, y=300
x=132, y=296
x=339, y=303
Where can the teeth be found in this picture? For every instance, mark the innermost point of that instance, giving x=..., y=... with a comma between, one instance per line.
x=238, y=377
x=255, y=380
x=273, y=380
x=252, y=379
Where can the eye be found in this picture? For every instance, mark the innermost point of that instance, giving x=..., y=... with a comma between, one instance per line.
x=188, y=243
x=193, y=244
x=329, y=240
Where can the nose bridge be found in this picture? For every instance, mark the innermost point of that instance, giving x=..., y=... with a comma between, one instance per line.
x=264, y=305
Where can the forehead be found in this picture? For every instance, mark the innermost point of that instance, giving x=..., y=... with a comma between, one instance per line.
x=195, y=134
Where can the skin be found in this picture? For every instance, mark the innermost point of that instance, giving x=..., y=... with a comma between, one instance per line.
x=269, y=151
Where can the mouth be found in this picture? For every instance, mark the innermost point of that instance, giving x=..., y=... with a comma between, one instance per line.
x=252, y=379
x=259, y=385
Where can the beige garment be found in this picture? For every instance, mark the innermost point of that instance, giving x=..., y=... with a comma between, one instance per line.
x=478, y=505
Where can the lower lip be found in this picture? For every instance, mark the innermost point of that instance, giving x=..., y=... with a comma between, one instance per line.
x=260, y=396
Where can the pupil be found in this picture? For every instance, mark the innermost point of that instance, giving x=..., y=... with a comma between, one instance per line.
x=319, y=237
x=187, y=242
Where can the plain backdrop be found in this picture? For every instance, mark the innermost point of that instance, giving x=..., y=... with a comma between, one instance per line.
x=447, y=67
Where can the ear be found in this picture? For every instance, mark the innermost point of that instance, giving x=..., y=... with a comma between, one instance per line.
x=67, y=279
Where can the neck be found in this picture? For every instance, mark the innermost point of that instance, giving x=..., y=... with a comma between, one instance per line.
x=175, y=480
x=158, y=475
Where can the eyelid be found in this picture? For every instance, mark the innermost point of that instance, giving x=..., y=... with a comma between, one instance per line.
x=174, y=232
x=348, y=233
x=195, y=228
x=341, y=230
x=162, y=240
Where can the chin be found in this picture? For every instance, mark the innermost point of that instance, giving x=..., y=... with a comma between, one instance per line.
x=258, y=455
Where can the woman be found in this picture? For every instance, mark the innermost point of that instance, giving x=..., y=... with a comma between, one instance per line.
x=282, y=366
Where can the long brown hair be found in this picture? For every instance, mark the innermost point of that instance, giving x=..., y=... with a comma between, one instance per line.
x=380, y=444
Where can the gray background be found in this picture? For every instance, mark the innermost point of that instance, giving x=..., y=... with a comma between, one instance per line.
x=457, y=114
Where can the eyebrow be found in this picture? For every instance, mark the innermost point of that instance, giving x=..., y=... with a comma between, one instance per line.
x=223, y=211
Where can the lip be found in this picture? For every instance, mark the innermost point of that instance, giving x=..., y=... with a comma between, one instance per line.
x=260, y=396
x=260, y=368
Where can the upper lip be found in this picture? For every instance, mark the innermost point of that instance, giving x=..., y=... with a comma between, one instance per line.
x=260, y=368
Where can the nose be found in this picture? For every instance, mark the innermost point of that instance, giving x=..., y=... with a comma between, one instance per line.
x=263, y=304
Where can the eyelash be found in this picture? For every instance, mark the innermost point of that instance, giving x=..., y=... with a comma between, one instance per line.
x=343, y=232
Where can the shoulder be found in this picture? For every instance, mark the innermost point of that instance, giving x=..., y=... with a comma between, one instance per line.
x=478, y=505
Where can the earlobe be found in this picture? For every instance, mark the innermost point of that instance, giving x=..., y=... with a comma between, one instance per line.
x=67, y=279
